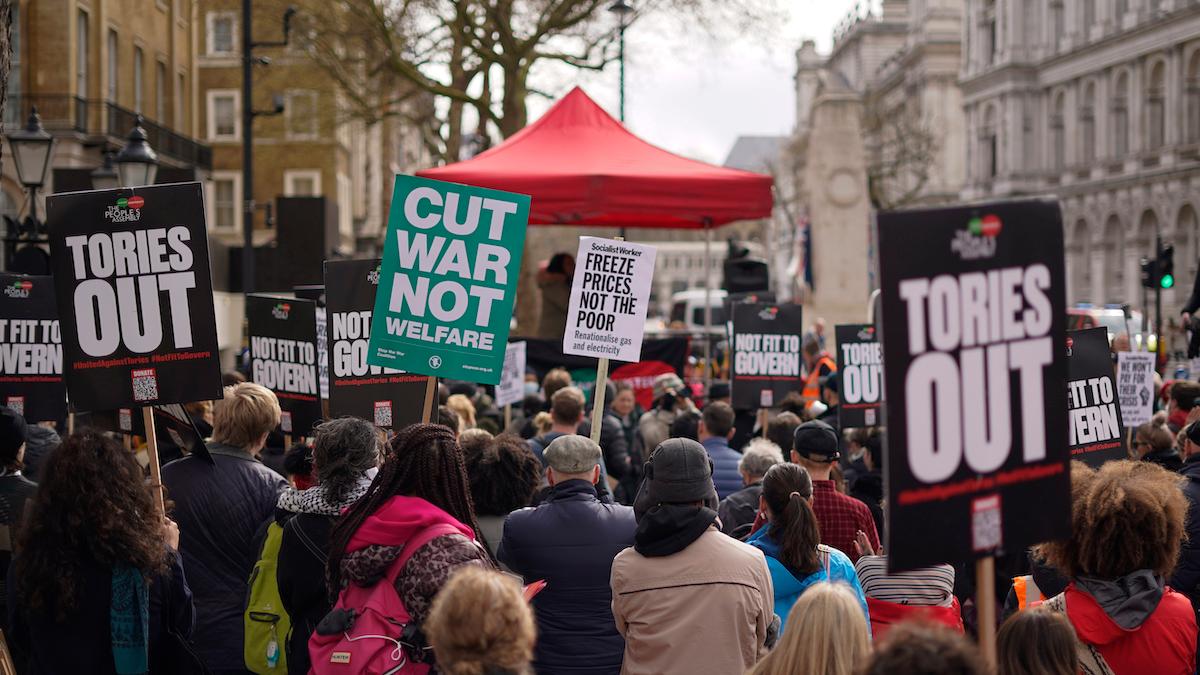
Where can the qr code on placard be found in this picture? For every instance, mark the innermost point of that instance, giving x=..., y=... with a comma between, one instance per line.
x=145, y=384
x=16, y=404
x=285, y=422
x=383, y=414
x=986, y=533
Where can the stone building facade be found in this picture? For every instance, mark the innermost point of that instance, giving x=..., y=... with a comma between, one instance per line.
x=1097, y=101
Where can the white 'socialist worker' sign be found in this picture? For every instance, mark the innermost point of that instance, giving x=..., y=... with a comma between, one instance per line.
x=1135, y=387
x=607, y=314
x=511, y=389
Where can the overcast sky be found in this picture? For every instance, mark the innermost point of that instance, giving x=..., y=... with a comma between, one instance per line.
x=694, y=95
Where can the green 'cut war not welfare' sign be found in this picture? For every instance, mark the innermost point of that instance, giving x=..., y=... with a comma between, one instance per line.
x=448, y=280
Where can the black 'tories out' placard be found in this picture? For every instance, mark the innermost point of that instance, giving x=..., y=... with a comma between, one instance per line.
x=392, y=399
x=31, y=355
x=283, y=357
x=131, y=276
x=1095, y=432
x=860, y=375
x=974, y=321
x=766, y=354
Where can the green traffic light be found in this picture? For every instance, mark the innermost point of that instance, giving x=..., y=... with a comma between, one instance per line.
x=1167, y=281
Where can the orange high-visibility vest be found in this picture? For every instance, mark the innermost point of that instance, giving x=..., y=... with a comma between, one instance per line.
x=1027, y=592
x=812, y=385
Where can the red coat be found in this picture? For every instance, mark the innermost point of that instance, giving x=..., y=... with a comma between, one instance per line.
x=1166, y=639
x=885, y=614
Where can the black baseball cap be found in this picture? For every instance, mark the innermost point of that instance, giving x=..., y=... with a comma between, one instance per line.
x=816, y=441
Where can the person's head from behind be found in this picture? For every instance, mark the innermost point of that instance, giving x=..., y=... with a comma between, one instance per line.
x=1189, y=444
x=625, y=401
x=1183, y=396
x=230, y=378
x=298, y=466
x=786, y=500
x=505, y=476
x=1125, y=516
x=561, y=263
x=873, y=455
x=480, y=624
x=473, y=443
x=678, y=474
x=556, y=379
x=830, y=390
x=815, y=446
x=449, y=419
x=13, y=433
x=811, y=350
x=92, y=504
x=572, y=458
x=462, y=406
x=566, y=407
x=780, y=430
x=1037, y=642
x=345, y=449
x=758, y=456
x=914, y=648
x=793, y=403
x=826, y=633
x=686, y=425
x=244, y=417
x=1150, y=438
x=532, y=404
x=716, y=421
x=421, y=460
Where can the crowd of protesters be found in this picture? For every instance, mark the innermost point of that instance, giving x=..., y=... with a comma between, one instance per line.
x=693, y=538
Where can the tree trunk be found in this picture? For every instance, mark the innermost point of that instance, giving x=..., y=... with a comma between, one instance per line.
x=513, y=119
x=6, y=28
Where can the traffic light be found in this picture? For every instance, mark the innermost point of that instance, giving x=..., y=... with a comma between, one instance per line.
x=1149, y=273
x=1166, y=267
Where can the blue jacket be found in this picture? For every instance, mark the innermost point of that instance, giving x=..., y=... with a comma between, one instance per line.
x=570, y=542
x=789, y=588
x=726, y=476
x=220, y=508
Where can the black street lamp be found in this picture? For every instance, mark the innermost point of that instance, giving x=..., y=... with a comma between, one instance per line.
x=105, y=177
x=31, y=150
x=624, y=12
x=137, y=163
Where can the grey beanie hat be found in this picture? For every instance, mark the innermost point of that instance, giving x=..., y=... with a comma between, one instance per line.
x=572, y=454
x=679, y=471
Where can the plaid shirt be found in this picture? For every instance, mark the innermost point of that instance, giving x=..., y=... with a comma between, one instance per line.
x=840, y=518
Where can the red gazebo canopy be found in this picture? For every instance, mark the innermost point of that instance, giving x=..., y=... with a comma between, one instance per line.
x=582, y=167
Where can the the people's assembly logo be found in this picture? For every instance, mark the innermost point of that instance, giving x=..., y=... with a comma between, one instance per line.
x=18, y=289
x=768, y=313
x=373, y=276
x=126, y=210
x=979, y=239
x=281, y=311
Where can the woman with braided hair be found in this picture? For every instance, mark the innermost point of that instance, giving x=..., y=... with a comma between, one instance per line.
x=421, y=485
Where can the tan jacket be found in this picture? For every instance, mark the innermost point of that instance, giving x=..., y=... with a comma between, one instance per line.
x=704, y=610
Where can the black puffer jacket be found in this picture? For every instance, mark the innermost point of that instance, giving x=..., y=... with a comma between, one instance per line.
x=612, y=443
x=220, y=507
x=1186, y=578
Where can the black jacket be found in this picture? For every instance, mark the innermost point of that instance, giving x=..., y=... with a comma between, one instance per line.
x=15, y=493
x=739, y=508
x=82, y=643
x=868, y=489
x=570, y=541
x=1168, y=459
x=1186, y=578
x=301, y=578
x=220, y=508
x=612, y=443
x=38, y=446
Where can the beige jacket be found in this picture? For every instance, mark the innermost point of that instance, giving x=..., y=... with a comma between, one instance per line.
x=704, y=610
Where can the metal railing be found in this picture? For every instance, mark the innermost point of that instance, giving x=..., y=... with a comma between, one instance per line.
x=65, y=113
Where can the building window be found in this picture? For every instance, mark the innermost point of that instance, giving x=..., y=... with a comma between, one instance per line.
x=1058, y=140
x=1056, y=23
x=1156, y=107
x=1087, y=125
x=1027, y=141
x=160, y=91
x=180, y=108
x=114, y=73
x=1089, y=17
x=13, y=90
x=1120, y=117
x=300, y=114
x=223, y=200
x=1192, y=92
x=302, y=183
x=1120, y=8
x=988, y=145
x=139, y=80
x=82, y=56
x=224, y=123
x=222, y=32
